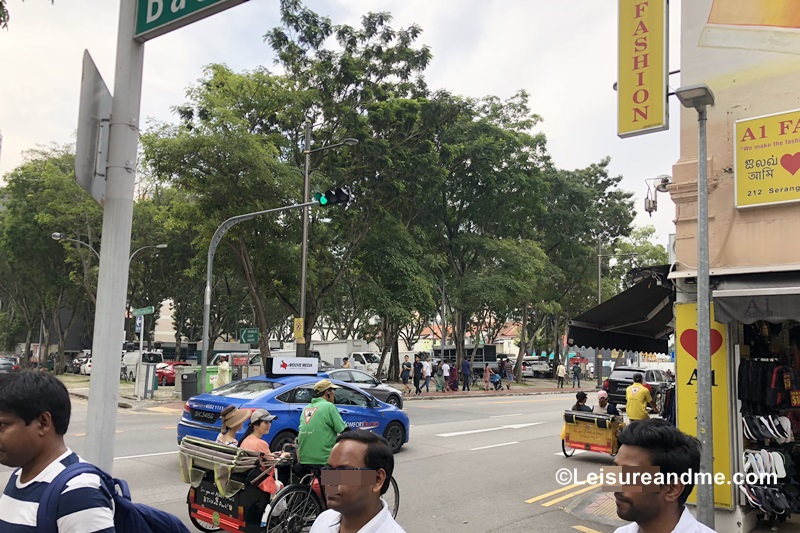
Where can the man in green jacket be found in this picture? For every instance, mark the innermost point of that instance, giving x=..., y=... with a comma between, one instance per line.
x=320, y=424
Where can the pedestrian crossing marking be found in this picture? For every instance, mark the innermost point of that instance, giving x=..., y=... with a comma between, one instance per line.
x=570, y=495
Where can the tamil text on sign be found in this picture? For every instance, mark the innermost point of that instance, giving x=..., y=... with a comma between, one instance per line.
x=643, y=67
x=767, y=159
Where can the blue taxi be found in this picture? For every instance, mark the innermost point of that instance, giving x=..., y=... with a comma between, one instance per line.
x=285, y=397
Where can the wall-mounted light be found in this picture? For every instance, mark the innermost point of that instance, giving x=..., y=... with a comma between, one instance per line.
x=651, y=199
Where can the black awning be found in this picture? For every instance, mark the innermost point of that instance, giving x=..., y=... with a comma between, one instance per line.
x=638, y=319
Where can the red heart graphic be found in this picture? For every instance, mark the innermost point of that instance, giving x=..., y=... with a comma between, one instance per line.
x=689, y=341
x=791, y=162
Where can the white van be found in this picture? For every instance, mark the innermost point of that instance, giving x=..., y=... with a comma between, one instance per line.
x=366, y=361
x=130, y=361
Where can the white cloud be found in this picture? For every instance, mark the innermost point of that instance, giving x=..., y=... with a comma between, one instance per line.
x=563, y=53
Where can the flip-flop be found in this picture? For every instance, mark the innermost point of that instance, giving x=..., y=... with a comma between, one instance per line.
x=751, y=498
x=779, y=500
x=766, y=459
x=764, y=499
x=778, y=466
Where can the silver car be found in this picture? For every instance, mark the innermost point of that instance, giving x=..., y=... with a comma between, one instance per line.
x=370, y=384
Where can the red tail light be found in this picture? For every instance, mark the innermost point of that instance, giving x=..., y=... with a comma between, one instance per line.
x=186, y=407
x=15, y=367
x=605, y=385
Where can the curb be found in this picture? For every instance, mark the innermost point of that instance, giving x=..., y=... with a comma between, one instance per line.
x=490, y=395
x=121, y=405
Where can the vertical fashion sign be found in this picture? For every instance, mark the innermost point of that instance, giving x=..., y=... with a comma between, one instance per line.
x=686, y=392
x=643, y=67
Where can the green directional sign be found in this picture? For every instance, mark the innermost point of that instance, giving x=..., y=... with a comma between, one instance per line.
x=157, y=17
x=143, y=311
x=248, y=335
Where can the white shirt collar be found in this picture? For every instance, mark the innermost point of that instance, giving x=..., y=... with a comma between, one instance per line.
x=687, y=524
x=381, y=523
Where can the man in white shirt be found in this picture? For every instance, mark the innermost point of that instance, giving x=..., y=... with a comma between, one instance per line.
x=358, y=473
x=446, y=374
x=661, y=509
x=426, y=374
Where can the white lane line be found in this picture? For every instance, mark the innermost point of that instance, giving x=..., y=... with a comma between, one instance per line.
x=473, y=431
x=144, y=455
x=494, y=446
x=503, y=416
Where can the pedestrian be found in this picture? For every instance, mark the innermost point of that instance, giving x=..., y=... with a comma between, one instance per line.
x=426, y=374
x=509, y=374
x=453, y=383
x=34, y=417
x=446, y=374
x=561, y=373
x=232, y=421
x=603, y=407
x=440, y=381
x=417, y=375
x=223, y=371
x=580, y=403
x=358, y=474
x=346, y=362
x=487, y=376
x=638, y=398
x=576, y=375
x=466, y=370
x=407, y=373
x=658, y=445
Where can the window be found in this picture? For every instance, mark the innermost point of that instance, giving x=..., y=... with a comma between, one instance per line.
x=303, y=395
x=246, y=389
x=342, y=375
x=350, y=397
x=362, y=378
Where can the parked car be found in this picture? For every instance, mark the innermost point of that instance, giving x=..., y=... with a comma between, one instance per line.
x=74, y=366
x=534, y=367
x=285, y=397
x=8, y=364
x=622, y=377
x=86, y=367
x=372, y=385
x=130, y=360
x=165, y=372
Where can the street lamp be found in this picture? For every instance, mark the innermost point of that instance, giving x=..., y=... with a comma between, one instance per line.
x=300, y=341
x=60, y=237
x=699, y=97
x=130, y=261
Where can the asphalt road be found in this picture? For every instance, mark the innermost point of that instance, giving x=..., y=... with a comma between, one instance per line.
x=476, y=464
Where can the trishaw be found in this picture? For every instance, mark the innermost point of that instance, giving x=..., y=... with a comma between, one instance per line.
x=590, y=432
x=224, y=493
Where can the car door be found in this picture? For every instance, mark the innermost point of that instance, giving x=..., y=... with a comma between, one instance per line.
x=364, y=381
x=356, y=410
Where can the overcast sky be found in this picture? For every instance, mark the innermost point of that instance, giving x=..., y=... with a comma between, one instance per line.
x=562, y=53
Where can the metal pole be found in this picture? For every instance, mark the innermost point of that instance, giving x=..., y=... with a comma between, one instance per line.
x=300, y=343
x=444, y=321
x=212, y=249
x=705, y=491
x=599, y=271
x=112, y=285
x=141, y=340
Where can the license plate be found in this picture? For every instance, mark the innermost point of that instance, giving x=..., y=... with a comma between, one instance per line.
x=211, y=499
x=208, y=417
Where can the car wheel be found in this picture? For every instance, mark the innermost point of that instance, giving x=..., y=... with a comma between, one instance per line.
x=394, y=400
x=395, y=435
x=282, y=438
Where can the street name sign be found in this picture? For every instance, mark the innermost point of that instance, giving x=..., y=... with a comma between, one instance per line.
x=248, y=335
x=143, y=311
x=157, y=17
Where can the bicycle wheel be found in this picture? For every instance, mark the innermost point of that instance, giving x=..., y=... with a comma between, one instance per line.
x=568, y=452
x=206, y=527
x=392, y=497
x=293, y=510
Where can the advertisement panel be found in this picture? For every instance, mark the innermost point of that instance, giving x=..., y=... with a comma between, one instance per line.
x=686, y=392
x=292, y=366
x=767, y=159
x=643, y=67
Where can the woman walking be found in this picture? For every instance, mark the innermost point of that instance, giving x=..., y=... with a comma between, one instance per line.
x=440, y=381
x=407, y=374
x=487, y=376
x=417, y=375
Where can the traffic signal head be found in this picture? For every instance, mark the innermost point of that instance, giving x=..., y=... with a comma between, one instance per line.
x=332, y=197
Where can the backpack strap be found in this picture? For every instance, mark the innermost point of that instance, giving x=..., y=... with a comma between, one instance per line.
x=47, y=514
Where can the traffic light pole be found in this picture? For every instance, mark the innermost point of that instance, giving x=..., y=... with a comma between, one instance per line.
x=212, y=249
x=300, y=342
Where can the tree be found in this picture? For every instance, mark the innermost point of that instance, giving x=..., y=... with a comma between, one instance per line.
x=5, y=16
x=635, y=251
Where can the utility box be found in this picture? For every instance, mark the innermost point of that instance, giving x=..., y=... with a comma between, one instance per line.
x=145, y=380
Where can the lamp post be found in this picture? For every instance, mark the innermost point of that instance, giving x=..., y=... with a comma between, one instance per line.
x=130, y=261
x=598, y=360
x=300, y=341
x=60, y=237
x=699, y=97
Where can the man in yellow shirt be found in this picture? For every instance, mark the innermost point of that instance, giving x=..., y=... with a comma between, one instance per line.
x=638, y=398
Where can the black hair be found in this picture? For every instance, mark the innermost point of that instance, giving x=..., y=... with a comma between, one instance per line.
x=27, y=394
x=670, y=449
x=379, y=453
x=638, y=378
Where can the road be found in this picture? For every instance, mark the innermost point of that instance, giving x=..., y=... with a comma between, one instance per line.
x=477, y=464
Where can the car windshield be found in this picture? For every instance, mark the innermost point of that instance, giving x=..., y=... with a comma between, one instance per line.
x=246, y=389
x=369, y=358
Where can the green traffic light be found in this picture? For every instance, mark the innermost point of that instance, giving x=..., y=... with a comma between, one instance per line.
x=319, y=197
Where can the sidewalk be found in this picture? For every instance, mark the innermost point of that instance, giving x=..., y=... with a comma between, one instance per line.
x=78, y=386
x=528, y=388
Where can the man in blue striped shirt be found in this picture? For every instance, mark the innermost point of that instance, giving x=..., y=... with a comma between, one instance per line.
x=34, y=416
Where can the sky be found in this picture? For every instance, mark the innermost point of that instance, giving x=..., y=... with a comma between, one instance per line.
x=563, y=53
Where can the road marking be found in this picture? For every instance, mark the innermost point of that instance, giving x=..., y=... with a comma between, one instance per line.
x=144, y=455
x=166, y=410
x=473, y=431
x=570, y=495
x=503, y=416
x=557, y=491
x=494, y=446
x=84, y=434
x=584, y=529
x=528, y=401
x=169, y=427
x=576, y=452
